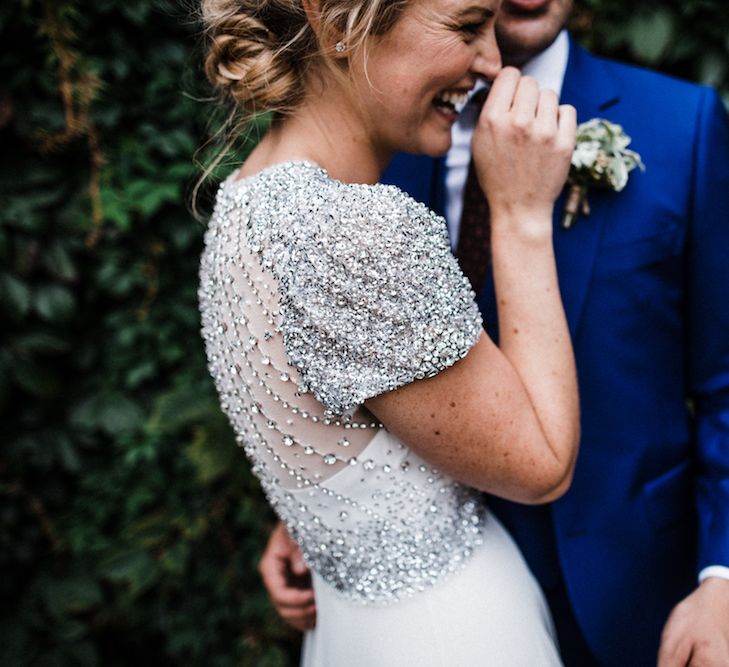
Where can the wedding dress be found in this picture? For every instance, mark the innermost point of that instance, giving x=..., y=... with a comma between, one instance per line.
x=316, y=295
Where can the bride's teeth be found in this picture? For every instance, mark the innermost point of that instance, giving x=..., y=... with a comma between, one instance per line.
x=456, y=99
x=460, y=103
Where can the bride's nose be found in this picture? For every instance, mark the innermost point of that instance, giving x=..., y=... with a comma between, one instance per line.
x=487, y=62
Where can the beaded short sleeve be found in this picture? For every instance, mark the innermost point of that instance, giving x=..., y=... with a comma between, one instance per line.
x=315, y=295
x=371, y=297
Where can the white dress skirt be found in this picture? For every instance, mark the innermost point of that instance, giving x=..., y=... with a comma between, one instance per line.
x=489, y=613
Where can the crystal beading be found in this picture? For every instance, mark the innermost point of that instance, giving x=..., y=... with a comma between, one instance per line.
x=316, y=295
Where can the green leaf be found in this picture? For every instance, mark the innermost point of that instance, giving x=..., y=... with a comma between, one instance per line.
x=180, y=171
x=59, y=263
x=713, y=69
x=120, y=415
x=136, y=13
x=183, y=406
x=41, y=342
x=150, y=531
x=113, y=413
x=54, y=302
x=192, y=530
x=68, y=455
x=211, y=457
x=174, y=559
x=71, y=595
x=16, y=296
x=37, y=380
x=67, y=630
x=141, y=373
x=148, y=197
x=114, y=208
x=651, y=33
x=133, y=567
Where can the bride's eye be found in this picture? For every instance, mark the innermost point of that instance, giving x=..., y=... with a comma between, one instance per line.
x=471, y=30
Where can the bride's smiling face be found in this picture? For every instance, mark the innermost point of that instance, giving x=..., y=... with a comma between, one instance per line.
x=411, y=82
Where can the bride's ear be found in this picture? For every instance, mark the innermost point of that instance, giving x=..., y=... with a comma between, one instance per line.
x=330, y=41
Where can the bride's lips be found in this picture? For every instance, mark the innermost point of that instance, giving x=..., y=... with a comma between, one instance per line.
x=524, y=6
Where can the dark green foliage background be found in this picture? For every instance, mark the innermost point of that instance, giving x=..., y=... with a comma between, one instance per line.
x=130, y=527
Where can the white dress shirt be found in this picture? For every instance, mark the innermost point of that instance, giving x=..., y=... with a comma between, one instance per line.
x=548, y=68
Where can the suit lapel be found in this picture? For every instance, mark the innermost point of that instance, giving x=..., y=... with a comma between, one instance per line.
x=589, y=87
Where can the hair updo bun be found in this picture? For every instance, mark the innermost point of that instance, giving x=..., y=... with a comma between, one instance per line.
x=260, y=49
x=257, y=51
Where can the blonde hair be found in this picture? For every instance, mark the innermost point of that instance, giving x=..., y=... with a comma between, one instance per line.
x=261, y=51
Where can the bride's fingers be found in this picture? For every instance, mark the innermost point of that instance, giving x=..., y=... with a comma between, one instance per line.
x=547, y=113
x=567, y=127
x=501, y=95
x=524, y=106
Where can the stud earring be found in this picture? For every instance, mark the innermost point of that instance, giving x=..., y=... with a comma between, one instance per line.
x=340, y=47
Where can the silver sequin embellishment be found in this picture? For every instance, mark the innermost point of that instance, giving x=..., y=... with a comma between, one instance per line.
x=316, y=295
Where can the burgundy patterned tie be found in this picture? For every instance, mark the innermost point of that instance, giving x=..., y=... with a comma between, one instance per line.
x=473, y=250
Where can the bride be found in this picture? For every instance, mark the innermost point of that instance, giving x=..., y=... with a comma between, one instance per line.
x=344, y=340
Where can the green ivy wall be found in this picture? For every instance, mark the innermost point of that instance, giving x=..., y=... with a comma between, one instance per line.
x=130, y=527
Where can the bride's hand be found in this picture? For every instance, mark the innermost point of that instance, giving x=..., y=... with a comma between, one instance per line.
x=522, y=147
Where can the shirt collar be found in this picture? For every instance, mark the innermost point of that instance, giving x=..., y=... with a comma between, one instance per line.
x=549, y=67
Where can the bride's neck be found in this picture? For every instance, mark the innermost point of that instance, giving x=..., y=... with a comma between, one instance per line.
x=328, y=131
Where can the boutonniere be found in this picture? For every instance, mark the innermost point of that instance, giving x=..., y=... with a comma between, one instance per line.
x=601, y=159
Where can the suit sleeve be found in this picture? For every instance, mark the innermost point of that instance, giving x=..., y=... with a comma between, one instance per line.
x=708, y=328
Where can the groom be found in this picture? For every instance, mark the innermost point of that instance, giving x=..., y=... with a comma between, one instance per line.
x=635, y=557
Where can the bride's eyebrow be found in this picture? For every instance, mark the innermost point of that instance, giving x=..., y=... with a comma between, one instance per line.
x=484, y=12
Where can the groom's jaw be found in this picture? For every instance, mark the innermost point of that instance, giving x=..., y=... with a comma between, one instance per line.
x=525, y=28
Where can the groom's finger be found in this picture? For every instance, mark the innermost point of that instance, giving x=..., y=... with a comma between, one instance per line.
x=283, y=593
x=673, y=652
x=293, y=598
x=301, y=619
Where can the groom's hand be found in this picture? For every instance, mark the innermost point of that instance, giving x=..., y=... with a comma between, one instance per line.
x=287, y=580
x=697, y=631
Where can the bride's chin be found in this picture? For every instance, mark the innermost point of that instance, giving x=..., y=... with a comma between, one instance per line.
x=435, y=143
x=437, y=147
x=437, y=152
x=432, y=141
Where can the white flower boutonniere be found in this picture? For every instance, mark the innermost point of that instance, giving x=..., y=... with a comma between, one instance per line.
x=601, y=158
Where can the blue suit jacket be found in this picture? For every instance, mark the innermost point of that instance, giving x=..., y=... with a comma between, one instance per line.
x=645, y=284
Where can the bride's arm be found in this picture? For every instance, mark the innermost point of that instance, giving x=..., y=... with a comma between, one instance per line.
x=506, y=420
